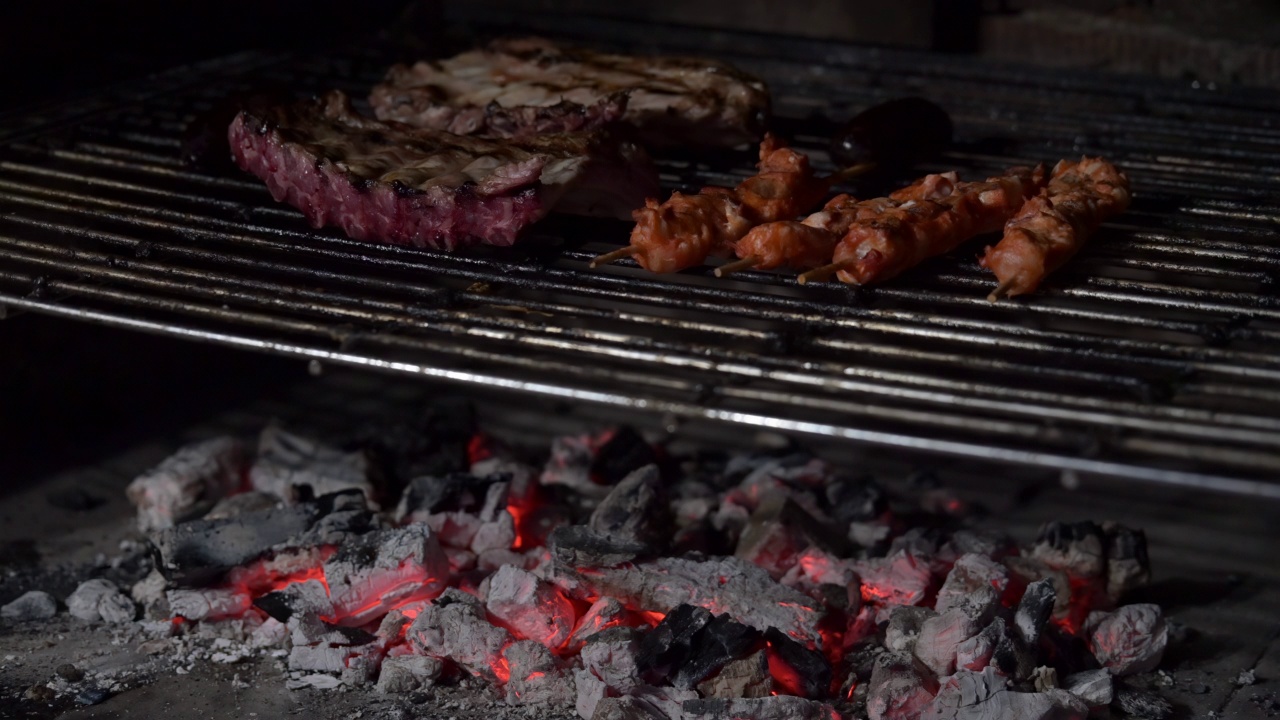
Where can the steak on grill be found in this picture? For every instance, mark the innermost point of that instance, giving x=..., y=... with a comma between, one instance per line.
x=518, y=87
x=392, y=183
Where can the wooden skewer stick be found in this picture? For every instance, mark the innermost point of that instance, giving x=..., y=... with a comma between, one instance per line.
x=999, y=293
x=850, y=172
x=749, y=261
x=824, y=272
x=618, y=254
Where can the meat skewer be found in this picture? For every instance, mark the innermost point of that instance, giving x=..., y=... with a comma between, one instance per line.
x=683, y=231
x=879, y=248
x=809, y=243
x=1053, y=226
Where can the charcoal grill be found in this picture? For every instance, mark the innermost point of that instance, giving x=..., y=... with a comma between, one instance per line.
x=1154, y=356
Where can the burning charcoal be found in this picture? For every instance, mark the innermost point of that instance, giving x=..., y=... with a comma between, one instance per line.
x=188, y=483
x=32, y=605
x=572, y=460
x=579, y=546
x=491, y=560
x=919, y=541
x=307, y=629
x=535, y=679
x=975, y=585
x=591, y=691
x=1016, y=654
x=985, y=696
x=940, y=638
x=719, y=642
x=533, y=609
x=375, y=572
x=270, y=632
x=498, y=534
x=779, y=707
x=635, y=511
x=622, y=454
x=899, y=579
x=976, y=652
x=197, y=553
x=797, y=669
x=856, y=500
x=1131, y=639
x=286, y=461
x=100, y=599
x=666, y=647
x=1077, y=549
x=208, y=603
x=903, y=630
x=747, y=677
x=1141, y=704
x=627, y=707
x=460, y=561
x=242, y=503
x=301, y=598
x=453, y=529
x=1092, y=686
x=988, y=543
x=614, y=657
x=335, y=652
x=453, y=626
x=603, y=614
x=831, y=580
x=1128, y=565
x=1029, y=570
x=779, y=532
x=408, y=673
x=743, y=590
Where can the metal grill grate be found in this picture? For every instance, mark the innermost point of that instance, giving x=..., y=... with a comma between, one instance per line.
x=1154, y=356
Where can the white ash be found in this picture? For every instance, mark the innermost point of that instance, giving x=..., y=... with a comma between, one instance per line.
x=976, y=652
x=406, y=565
x=986, y=696
x=408, y=673
x=535, y=678
x=1245, y=678
x=604, y=613
x=454, y=627
x=270, y=633
x=613, y=656
x=1094, y=687
x=454, y=529
x=670, y=701
x=100, y=600
x=533, y=608
x=1130, y=640
x=975, y=586
x=241, y=503
x=188, y=483
x=149, y=592
x=900, y=690
x=590, y=691
x=1077, y=549
x=903, y=630
x=208, y=603
x=941, y=636
x=746, y=677
x=1030, y=570
x=497, y=534
x=31, y=605
x=286, y=461
x=902, y=578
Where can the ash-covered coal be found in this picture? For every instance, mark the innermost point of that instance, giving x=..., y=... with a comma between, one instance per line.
x=605, y=583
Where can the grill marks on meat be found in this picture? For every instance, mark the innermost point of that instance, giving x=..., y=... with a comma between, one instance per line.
x=1053, y=226
x=686, y=229
x=902, y=237
x=810, y=242
x=391, y=183
x=519, y=87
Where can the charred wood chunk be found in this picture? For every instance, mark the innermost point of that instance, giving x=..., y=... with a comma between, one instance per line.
x=434, y=443
x=604, y=613
x=197, y=553
x=1131, y=639
x=779, y=707
x=454, y=627
x=718, y=643
x=903, y=631
x=667, y=646
x=1029, y=570
x=305, y=598
x=188, y=483
x=635, y=511
x=533, y=609
x=974, y=586
x=1128, y=565
x=941, y=637
x=796, y=668
x=780, y=531
x=614, y=656
x=375, y=572
x=622, y=454
x=591, y=692
x=286, y=461
x=535, y=679
x=859, y=499
x=427, y=495
x=408, y=673
x=1092, y=686
x=100, y=600
x=743, y=590
x=902, y=578
x=977, y=652
x=988, y=543
x=1078, y=549
x=1018, y=653
x=31, y=605
x=900, y=690
x=208, y=603
x=627, y=707
x=746, y=677
x=575, y=546
x=985, y=696
x=1066, y=651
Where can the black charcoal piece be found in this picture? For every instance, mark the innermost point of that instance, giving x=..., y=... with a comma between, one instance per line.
x=669, y=644
x=624, y=453
x=857, y=499
x=1140, y=704
x=92, y=695
x=75, y=499
x=434, y=443
x=577, y=546
x=635, y=511
x=427, y=494
x=1066, y=652
x=1128, y=564
x=810, y=673
x=69, y=672
x=718, y=643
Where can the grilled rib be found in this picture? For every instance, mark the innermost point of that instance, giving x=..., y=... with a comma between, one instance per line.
x=520, y=87
x=1053, y=226
x=391, y=183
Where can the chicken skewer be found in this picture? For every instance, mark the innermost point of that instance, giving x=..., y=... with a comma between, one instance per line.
x=879, y=248
x=809, y=243
x=683, y=231
x=1053, y=226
